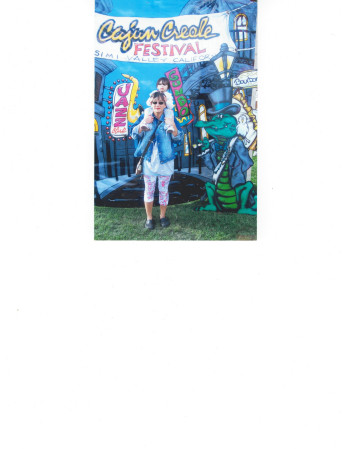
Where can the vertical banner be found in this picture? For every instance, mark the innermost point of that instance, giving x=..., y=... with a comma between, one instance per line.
x=176, y=85
x=121, y=101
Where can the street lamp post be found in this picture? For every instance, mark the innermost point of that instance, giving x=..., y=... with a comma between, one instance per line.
x=223, y=61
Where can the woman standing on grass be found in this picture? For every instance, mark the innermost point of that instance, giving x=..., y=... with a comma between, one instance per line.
x=159, y=159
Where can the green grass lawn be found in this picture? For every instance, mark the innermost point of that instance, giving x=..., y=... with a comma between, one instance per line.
x=186, y=224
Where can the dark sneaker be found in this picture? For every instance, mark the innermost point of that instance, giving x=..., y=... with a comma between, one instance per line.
x=150, y=224
x=164, y=222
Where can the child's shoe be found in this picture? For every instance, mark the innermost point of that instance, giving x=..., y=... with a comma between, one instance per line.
x=169, y=129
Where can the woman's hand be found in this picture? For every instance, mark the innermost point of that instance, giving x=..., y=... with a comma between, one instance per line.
x=148, y=119
x=205, y=144
x=171, y=122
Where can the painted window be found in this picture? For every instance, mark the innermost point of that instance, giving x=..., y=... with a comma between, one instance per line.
x=241, y=24
x=186, y=144
x=203, y=116
x=98, y=80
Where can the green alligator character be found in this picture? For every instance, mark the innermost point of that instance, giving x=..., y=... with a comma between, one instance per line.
x=227, y=156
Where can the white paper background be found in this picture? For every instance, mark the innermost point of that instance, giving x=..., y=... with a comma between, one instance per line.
x=228, y=344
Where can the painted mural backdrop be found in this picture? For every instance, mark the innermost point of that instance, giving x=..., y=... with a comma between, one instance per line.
x=207, y=50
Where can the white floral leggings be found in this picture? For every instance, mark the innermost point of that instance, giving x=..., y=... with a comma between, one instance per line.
x=163, y=184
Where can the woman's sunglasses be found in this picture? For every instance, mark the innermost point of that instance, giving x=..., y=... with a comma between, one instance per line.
x=155, y=102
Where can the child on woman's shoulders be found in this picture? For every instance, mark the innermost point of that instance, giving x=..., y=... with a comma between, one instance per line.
x=163, y=86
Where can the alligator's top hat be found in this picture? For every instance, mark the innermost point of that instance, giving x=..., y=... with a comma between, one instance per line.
x=221, y=100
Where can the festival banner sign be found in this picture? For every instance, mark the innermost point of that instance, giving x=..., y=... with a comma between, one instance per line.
x=178, y=40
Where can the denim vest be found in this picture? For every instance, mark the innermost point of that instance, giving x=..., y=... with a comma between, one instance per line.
x=163, y=139
x=239, y=161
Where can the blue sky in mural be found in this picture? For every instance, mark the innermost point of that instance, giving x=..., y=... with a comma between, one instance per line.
x=147, y=74
x=163, y=8
x=145, y=8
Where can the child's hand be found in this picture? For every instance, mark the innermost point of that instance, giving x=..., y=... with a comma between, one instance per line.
x=170, y=122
